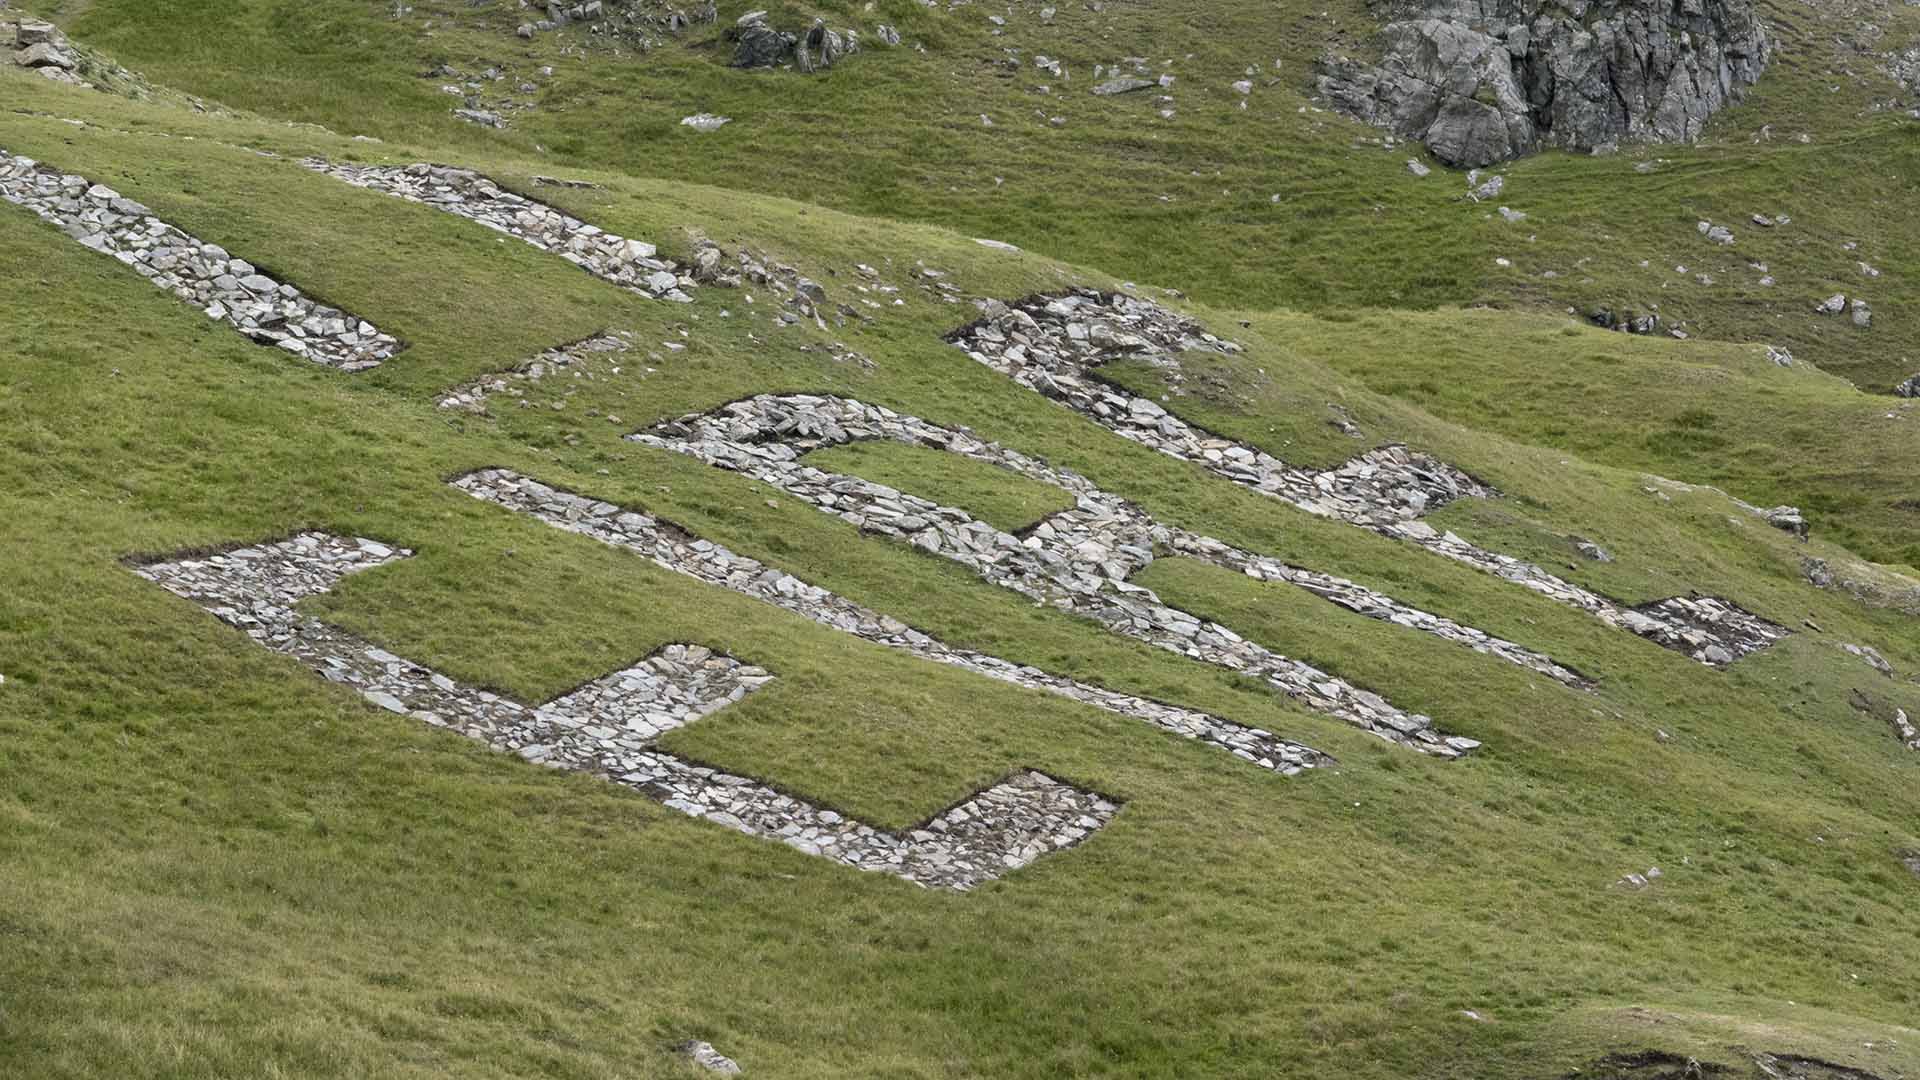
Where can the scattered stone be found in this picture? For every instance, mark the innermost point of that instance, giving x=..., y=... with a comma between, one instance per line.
x=1780, y=356
x=1590, y=550
x=1123, y=85
x=678, y=551
x=1763, y=221
x=1481, y=81
x=704, y=122
x=631, y=264
x=225, y=288
x=1862, y=314
x=1817, y=572
x=1512, y=217
x=1787, y=519
x=40, y=47
x=1625, y=322
x=1872, y=657
x=997, y=245
x=704, y=1055
x=887, y=34
x=1908, y=387
x=1481, y=192
x=1052, y=344
x=821, y=47
x=1832, y=305
x=1415, y=167
x=609, y=727
x=1904, y=731
x=575, y=360
x=482, y=117
x=1718, y=234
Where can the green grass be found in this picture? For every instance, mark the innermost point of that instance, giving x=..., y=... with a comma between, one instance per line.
x=1281, y=204
x=218, y=864
x=1707, y=412
x=1278, y=208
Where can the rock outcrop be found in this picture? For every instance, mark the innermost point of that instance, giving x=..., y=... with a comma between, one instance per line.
x=758, y=44
x=1481, y=81
x=41, y=47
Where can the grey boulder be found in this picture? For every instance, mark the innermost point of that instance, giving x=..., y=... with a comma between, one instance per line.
x=760, y=45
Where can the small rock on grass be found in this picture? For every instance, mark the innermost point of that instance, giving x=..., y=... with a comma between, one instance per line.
x=704, y=1055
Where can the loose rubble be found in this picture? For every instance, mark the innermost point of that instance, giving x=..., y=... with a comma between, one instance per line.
x=682, y=553
x=1077, y=560
x=1624, y=321
x=1640, y=881
x=633, y=265
x=704, y=1055
x=1872, y=656
x=1908, y=387
x=1904, y=730
x=1787, y=519
x=609, y=726
x=1718, y=234
x=227, y=289
x=514, y=382
x=1054, y=344
x=636, y=21
x=1481, y=81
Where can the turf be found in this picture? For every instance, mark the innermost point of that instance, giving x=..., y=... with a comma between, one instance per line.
x=220, y=865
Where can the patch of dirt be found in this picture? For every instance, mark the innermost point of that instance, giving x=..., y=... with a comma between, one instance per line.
x=1648, y=1065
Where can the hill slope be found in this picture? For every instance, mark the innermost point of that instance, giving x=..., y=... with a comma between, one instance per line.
x=226, y=863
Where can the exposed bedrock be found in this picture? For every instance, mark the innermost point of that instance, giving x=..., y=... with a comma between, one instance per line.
x=1481, y=81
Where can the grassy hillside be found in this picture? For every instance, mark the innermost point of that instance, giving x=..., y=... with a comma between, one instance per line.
x=221, y=865
x=1279, y=204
